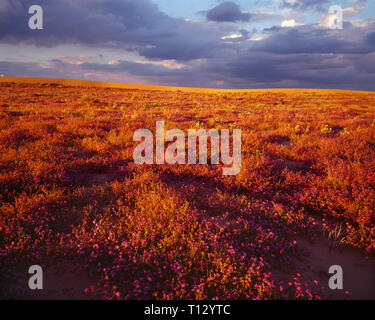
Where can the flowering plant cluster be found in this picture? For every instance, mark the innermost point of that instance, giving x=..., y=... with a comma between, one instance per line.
x=72, y=198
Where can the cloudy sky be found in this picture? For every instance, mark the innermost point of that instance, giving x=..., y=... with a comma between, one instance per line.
x=199, y=43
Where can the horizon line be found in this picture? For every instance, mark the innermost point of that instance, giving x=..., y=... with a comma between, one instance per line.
x=120, y=85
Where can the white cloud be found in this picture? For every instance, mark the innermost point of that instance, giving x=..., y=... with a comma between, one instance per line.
x=170, y=64
x=289, y=23
x=113, y=62
x=257, y=38
x=327, y=21
x=232, y=36
x=73, y=60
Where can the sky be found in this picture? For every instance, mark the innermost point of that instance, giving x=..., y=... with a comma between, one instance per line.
x=193, y=43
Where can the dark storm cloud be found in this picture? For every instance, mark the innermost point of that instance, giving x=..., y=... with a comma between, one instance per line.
x=309, y=63
x=142, y=69
x=370, y=38
x=268, y=70
x=305, y=56
x=302, y=56
x=248, y=69
x=227, y=12
x=309, y=40
x=154, y=73
x=132, y=25
x=27, y=69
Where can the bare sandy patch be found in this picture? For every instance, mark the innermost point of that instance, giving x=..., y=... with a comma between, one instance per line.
x=358, y=272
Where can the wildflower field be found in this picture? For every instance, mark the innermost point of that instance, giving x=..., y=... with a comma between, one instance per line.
x=102, y=227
